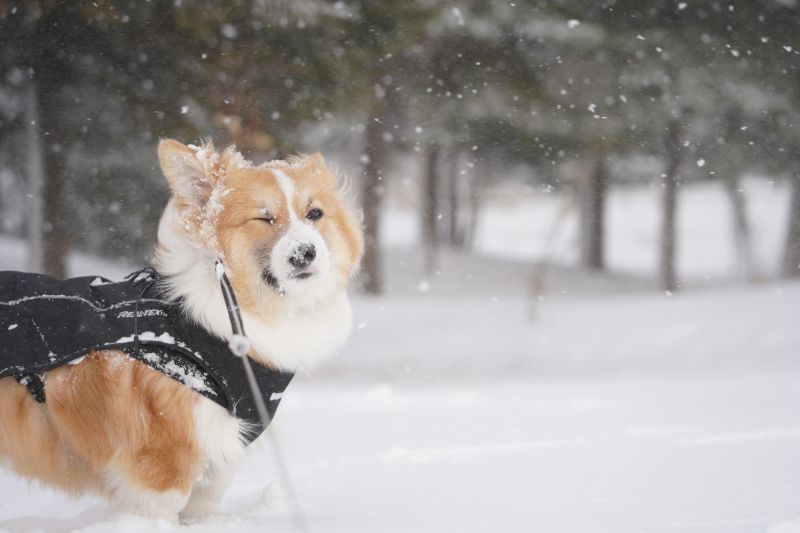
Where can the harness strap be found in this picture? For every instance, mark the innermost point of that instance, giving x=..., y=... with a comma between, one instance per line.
x=151, y=275
x=34, y=384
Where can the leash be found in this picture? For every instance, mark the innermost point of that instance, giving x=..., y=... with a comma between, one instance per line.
x=240, y=345
x=151, y=276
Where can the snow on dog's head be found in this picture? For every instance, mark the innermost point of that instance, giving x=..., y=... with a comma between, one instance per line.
x=282, y=228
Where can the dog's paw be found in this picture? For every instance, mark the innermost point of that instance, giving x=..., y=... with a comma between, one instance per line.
x=274, y=497
x=149, y=504
x=128, y=521
x=198, y=509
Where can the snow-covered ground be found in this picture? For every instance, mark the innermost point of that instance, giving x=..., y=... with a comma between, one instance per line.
x=710, y=331
x=514, y=455
x=462, y=403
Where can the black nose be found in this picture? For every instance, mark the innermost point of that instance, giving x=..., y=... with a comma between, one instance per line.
x=303, y=255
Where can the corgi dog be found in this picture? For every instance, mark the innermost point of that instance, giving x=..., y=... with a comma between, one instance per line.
x=154, y=447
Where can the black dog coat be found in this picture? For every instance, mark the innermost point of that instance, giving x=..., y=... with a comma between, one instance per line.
x=46, y=323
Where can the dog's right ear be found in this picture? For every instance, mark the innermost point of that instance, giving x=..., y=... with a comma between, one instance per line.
x=185, y=172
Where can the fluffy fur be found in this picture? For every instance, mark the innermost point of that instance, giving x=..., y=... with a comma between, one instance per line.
x=114, y=426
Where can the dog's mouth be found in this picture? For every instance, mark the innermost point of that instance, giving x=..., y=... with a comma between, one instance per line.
x=270, y=278
x=272, y=281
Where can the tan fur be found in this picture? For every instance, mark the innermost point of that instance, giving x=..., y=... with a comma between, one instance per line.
x=106, y=411
x=241, y=234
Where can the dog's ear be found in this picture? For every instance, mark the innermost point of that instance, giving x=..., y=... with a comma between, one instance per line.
x=316, y=160
x=315, y=163
x=186, y=173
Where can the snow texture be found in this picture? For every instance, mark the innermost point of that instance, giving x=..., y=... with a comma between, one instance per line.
x=148, y=336
x=567, y=455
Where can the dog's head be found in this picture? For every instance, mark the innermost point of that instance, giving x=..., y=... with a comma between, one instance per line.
x=282, y=228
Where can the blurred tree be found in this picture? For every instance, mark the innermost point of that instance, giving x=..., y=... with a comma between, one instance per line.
x=378, y=41
x=476, y=75
x=430, y=208
x=33, y=36
x=66, y=50
x=671, y=57
x=474, y=90
x=671, y=176
x=791, y=263
x=36, y=178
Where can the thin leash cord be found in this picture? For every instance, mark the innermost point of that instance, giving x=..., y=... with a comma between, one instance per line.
x=240, y=346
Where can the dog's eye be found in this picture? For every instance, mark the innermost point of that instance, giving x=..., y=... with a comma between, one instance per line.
x=268, y=219
x=314, y=214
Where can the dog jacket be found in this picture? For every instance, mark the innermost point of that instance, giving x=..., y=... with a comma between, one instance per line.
x=46, y=323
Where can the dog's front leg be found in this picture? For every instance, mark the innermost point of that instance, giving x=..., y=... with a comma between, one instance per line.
x=207, y=493
x=219, y=436
x=134, y=498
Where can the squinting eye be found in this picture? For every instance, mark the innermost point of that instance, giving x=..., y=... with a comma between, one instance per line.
x=314, y=214
x=268, y=220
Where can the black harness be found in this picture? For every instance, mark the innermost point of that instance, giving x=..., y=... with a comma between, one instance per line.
x=46, y=323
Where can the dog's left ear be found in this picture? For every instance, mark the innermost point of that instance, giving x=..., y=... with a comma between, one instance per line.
x=185, y=172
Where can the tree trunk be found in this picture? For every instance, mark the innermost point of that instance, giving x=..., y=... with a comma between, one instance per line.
x=55, y=236
x=453, y=204
x=741, y=225
x=476, y=188
x=671, y=184
x=730, y=166
x=593, y=216
x=50, y=74
x=35, y=171
x=372, y=198
x=791, y=263
x=430, y=209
